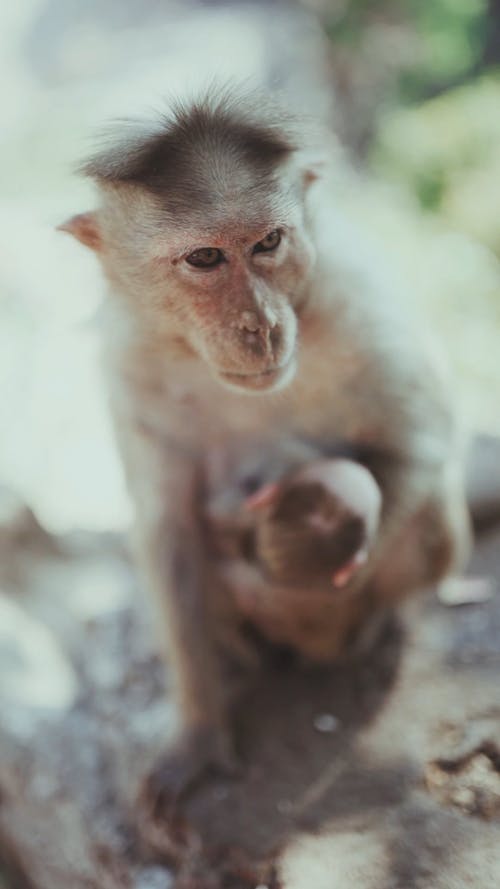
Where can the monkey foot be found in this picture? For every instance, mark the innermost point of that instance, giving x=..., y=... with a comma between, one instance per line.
x=194, y=757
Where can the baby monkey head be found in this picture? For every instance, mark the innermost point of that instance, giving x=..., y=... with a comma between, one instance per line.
x=309, y=535
x=202, y=230
x=318, y=523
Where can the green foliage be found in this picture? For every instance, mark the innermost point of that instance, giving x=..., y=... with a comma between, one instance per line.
x=447, y=152
x=425, y=67
x=430, y=187
x=453, y=34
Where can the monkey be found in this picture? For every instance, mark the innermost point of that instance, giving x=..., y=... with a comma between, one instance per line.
x=242, y=305
x=286, y=540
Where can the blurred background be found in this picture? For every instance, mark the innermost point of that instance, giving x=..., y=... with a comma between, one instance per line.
x=413, y=87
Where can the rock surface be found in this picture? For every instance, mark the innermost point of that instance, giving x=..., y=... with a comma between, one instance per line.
x=384, y=774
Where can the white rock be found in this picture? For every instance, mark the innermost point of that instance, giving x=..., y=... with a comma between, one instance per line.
x=34, y=672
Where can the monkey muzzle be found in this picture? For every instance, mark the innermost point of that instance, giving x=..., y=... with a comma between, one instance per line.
x=267, y=381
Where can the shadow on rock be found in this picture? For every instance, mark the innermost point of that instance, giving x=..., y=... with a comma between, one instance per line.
x=297, y=731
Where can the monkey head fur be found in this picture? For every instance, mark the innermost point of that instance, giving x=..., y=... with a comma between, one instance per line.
x=318, y=523
x=202, y=233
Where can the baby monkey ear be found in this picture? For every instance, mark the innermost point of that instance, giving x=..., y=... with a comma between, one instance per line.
x=85, y=229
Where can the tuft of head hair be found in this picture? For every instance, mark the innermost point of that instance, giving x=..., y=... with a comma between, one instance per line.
x=200, y=149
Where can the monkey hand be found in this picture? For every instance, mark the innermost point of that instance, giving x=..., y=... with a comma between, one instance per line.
x=197, y=753
x=341, y=576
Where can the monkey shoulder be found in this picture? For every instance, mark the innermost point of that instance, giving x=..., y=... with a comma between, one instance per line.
x=368, y=372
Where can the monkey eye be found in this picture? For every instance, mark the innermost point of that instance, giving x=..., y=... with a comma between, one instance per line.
x=270, y=242
x=205, y=258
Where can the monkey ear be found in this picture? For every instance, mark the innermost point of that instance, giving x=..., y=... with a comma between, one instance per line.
x=310, y=175
x=317, y=161
x=313, y=168
x=85, y=229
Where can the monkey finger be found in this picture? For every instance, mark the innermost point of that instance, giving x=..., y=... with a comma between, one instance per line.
x=265, y=496
x=341, y=577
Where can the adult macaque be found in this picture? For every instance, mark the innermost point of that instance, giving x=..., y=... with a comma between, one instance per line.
x=239, y=309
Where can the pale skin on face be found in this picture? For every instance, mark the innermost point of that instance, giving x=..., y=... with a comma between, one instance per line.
x=304, y=330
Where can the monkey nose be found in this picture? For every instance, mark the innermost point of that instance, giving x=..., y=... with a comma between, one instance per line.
x=250, y=322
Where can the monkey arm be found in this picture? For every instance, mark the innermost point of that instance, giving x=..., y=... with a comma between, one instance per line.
x=172, y=555
x=394, y=414
x=425, y=529
x=164, y=484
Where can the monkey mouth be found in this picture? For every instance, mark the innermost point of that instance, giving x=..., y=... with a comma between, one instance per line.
x=268, y=380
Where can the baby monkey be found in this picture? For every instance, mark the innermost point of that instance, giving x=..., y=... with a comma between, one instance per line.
x=286, y=537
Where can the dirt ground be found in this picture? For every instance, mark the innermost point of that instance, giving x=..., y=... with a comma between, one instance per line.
x=385, y=772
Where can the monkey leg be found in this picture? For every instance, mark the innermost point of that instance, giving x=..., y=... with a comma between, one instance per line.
x=170, y=547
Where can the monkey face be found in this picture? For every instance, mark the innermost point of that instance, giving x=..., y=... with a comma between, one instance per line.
x=231, y=292
x=240, y=288
x=202, y=228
